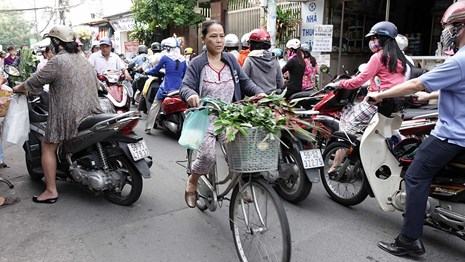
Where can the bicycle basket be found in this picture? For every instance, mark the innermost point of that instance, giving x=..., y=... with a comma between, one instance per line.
x=256, y=152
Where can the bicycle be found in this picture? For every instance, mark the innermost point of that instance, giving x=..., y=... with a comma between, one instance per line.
x=254, y=208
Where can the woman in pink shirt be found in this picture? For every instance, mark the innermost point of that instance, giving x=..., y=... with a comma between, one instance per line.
x=385, y=69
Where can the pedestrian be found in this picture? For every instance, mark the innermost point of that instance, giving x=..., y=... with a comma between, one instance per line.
x=11, y=57
x=216, y=74
x=73, y=96
x=446, y=141
x=260, y=66
x=2, y=59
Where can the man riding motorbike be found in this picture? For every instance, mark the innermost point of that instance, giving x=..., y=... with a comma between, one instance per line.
x=104, y=59
x=175, y=67
x=245, y=49
x=447, y=140
x=139, y=63
x=231, y=44
x=73, y=96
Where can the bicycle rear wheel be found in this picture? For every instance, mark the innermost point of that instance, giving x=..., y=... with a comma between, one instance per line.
x=259, y=223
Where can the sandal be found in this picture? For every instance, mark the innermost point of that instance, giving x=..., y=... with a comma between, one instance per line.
x=191, y=198
x=9, y=201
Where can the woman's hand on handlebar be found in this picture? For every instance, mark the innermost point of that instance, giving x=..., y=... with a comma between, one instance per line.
x=193, y=101
x=332, y=86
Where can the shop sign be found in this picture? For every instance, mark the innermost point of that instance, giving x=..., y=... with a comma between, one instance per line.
x=323, y=38
x=312, y=14
x=123, y=24
x=323, y=59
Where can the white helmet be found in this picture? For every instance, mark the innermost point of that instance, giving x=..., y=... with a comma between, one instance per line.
x=402, y=41
x=170, y=42
x=293, y=44
x=245, y=40
x=231, y=40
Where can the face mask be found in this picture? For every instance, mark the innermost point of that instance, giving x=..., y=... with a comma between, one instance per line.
x=374, y=45
x=449, y=38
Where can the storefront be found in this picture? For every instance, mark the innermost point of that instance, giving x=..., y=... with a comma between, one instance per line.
x=123, y=24
x=419, y=20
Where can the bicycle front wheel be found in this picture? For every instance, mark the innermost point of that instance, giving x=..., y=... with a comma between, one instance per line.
x=259, y=223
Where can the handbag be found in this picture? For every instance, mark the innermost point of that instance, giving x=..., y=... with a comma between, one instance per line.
x=194, y=129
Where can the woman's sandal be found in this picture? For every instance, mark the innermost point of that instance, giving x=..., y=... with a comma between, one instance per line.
x=191, y=198
x=9, y=201
x=53, y=200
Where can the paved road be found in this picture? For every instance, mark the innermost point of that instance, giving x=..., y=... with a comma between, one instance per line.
x=159, y=227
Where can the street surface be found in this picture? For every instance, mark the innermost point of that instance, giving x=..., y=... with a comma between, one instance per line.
x=82, y=227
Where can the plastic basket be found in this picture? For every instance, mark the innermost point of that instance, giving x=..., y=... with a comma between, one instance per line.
x=256, y=152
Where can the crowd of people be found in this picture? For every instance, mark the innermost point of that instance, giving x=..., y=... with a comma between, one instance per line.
x=229, y=70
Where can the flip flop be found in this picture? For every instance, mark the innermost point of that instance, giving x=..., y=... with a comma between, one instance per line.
x=9, y=201
x=45, y=201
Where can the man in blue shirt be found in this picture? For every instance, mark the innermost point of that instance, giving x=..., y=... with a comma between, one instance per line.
x=447, y=140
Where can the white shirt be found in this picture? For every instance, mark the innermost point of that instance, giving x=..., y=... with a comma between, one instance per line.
x=102, y=64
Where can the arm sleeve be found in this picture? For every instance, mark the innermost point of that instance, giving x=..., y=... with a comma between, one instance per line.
x=157, y=68
x=46, y=75
x=372, y=68
x=247, y=68
x=445, y=76
x=189, y=85
x=287, y=66
x=120, y=63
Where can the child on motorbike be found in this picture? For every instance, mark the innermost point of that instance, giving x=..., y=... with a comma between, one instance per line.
x=175, y=66
x=386, y=68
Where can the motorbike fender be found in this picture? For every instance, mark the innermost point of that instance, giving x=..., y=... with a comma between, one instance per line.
x=375, y=154
x=142, y=166
x=313, y=174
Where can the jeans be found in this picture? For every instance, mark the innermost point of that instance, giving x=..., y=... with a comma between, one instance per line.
x=432, y=155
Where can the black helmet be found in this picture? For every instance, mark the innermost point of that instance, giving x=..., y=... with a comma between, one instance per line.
x=384, y=28
x=142, y=49
x=155, y=46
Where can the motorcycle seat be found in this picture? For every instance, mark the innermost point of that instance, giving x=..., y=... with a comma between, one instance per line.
x=173, y=93
x=303, y=94
x=90, y=121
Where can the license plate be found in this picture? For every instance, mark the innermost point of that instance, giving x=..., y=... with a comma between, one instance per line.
x=139, y=150
x=312, y=158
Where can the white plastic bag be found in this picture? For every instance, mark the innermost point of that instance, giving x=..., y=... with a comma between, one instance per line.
x=16, y=124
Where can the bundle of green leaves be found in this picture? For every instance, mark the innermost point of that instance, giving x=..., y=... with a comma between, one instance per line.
x=273, y=113
x=27, y=64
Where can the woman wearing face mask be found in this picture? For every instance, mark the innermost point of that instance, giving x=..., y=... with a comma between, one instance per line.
x=385, y=69
x=215, y=74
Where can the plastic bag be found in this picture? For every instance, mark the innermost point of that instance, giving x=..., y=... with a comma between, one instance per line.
x=16, y=124
x=194, y=128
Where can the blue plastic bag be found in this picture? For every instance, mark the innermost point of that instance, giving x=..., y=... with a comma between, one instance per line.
x=194, y=128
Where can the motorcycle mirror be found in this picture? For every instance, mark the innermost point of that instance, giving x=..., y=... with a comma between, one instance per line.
x=11, y=70
x=324, y=69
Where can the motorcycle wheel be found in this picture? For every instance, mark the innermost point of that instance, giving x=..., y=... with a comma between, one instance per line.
x=297, y=187
x=356, y=178
x=125, y=197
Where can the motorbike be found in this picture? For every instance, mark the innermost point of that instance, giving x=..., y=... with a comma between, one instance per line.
x=376, y=167
x=118, y=94
x=171, y=115
x=106, y=156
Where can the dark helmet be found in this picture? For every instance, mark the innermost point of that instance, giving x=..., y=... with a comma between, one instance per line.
x=384, y=28
x=155, y=46
x=142, y=49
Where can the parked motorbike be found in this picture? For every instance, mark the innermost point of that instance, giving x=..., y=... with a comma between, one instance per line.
x=374, y=167
x=118, y=94
x=106, y=156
